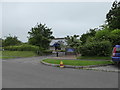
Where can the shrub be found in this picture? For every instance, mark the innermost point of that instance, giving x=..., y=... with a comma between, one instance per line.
x=47, y=51
x=115, y=37
x=102, y=48
x=11, y=41
x=61, y=50
x=24, y=47
x=112, y=36
x=102, y=35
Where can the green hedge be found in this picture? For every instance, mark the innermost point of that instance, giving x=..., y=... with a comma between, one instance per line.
x=47, y=51
x=102, y=48
x=24, y=47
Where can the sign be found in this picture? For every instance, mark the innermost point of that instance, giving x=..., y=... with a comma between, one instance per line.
x=70, y=51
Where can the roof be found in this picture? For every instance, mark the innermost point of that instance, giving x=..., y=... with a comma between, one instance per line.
x=58, y=38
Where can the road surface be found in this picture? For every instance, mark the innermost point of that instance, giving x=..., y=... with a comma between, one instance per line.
x=30, y=73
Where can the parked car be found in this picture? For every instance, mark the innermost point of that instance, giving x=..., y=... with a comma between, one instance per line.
x=116, y=54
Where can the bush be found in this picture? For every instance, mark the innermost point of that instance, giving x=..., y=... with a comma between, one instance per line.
x=24, y=47
x=102, y=48
x=102, y=35
x=47, y=51
x=11, y=41
x=61, y=50
x=115, y=37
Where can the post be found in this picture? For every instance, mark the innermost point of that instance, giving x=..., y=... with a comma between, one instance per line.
x=57, y=53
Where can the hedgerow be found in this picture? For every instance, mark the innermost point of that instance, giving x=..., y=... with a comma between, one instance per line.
x=102, y=48
x=24, y=47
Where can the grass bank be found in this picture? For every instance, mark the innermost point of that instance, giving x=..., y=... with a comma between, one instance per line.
x=77, y=62
x=94, y=57
x=16, y=54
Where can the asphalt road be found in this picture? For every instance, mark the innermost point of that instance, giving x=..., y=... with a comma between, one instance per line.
x=29, y=73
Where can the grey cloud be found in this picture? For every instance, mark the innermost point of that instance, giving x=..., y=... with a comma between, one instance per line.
x=63, y=18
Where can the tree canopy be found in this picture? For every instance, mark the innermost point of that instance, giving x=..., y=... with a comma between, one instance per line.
x=40, y=35
x=90, y=33
x=113, y=16
x=11, y=41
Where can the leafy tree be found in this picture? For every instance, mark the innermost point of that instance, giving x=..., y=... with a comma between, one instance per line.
x=97, y=48
x=100, y=40
x=90, y=39
x=104, y=26
x=90, y=33
x=11, y=41
x=40, y=35
x=113, y=16
x=102, y=35
x=115, y=37
x=112, y=36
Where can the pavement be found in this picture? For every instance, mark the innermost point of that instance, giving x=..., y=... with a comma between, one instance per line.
x=30, y=73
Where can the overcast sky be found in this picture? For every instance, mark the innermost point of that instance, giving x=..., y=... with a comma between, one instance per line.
x=65, y=18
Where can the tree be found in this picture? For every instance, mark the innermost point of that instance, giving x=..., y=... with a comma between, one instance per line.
x=97, y=48
x=113, y=16
x=90, y=33
x=102, y=35
x=11, y=41
x=115, y=37
x=40, y=35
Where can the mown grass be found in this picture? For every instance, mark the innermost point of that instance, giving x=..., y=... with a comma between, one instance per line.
x=94, y=57
x=16, y=54
x=77, y=62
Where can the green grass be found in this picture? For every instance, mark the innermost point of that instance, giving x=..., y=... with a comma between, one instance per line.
x=16, y=54
x=93, y=57
x=77, y=62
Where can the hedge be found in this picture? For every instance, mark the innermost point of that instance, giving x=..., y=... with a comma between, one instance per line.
x=24, y=47
x=47, y=52
x=102, y=48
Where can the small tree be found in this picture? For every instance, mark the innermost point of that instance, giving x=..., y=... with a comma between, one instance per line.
x=11, y=41
x=40, y=35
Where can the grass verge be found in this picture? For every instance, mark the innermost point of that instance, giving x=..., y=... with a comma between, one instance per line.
x=16, y=54
x=77, y=62
x=93, y=57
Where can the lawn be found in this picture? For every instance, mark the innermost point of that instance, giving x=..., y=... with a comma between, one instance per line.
x=77, y=62
x=16, y=54
x=94, y=57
